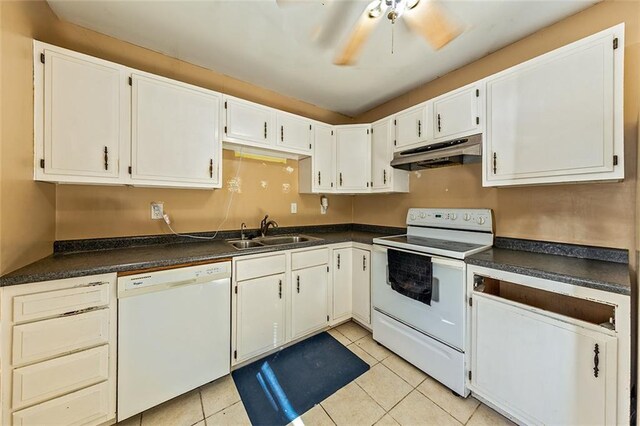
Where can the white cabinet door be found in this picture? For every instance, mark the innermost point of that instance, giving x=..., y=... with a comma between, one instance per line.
x=353, y=158
x=294, y=133
x=248, y=123
x=541, y=369
x=342, y=271
x=175, y=132
x=309, y=287
x=558, y=117
x=85, y=120
x=260, y=321
x=456, y=114
x=323, y=158
x=361, y=302
x=411, y=126
x=381, y=154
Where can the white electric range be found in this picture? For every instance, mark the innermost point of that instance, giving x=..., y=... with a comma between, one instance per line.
x=430, y=336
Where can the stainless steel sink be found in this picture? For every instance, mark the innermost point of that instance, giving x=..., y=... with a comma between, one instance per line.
x=276, y=240
x=244, y=244
x=284, y=239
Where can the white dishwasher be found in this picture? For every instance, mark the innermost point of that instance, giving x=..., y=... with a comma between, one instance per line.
x=174, y=333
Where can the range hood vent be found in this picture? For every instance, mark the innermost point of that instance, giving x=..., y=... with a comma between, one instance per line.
x=441, y=154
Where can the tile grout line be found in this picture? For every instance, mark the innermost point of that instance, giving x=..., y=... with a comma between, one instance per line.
x=474, y=412
x=327, y=413
x=441, y=407
x=373, y=399
x=204, y=416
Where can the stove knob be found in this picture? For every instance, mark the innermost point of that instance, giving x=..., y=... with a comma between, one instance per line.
x=467, y=217
x=481, y=220
x=422, y=215
x=412, y=216
x=454, y=216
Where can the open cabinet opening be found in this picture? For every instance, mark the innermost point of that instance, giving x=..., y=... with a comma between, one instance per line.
x=573, y=307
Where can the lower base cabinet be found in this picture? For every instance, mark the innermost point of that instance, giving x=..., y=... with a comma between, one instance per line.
x=260, y=315
x=308, y=303
x=342, y=265
x=361, y=285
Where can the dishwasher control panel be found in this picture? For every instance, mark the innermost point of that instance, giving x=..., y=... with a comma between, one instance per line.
x=174, y=277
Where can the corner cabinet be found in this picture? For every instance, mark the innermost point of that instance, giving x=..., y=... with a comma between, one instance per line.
x=558, y=117
x=353, y=153
x=175, y=136
x=81, y=117
x=545, y=352
x=361, y=285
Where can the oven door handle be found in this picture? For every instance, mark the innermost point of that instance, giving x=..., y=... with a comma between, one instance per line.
x=435, y=286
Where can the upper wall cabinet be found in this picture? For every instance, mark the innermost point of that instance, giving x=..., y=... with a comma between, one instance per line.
x=81, y=117
x=175, y=135
x=412, y=126
x=353, y=153
x=385, y=178
x=317, y=173
x=457, y=113
x=294, y=133
x=248, y=123
x=559, y=117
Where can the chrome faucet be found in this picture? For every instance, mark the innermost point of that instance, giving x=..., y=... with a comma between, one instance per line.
x=243, y=228
x=264, y=225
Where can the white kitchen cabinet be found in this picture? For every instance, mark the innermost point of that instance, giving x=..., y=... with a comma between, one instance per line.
x=247, y=123
x=260, y=316
x=457, y=113
x=295, y=133
x=558, y=117
x=543, y=369
x=317, y=173
x=385, y=178
x=81, y=117
x=342, y=275
x=175, y=133
x=353, y=158
x=309, y=288
x=361, y=285
x=412, y=126
x=58, y=352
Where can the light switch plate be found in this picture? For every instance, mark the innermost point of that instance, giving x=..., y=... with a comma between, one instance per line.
x=294, y=208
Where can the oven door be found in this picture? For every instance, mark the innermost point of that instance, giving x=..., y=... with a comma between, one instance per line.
x=444, y=318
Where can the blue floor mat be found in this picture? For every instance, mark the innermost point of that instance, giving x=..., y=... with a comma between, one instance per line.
x=277, y=389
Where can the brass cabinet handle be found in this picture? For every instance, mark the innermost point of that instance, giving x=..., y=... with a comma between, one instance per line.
x=364, y=262
x=298, y=283
x=319, y=180
x=280, y=289
x=495, y=163
x=340, y=178
x=338, y=260
x=419, y=128
x=384, y=176
x=281, y=133
x=596, y=360
x=211, y=168
x=265, y=129
x=106, y=158
x=439, y=126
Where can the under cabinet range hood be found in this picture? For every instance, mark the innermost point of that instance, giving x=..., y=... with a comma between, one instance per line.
x=440, y=154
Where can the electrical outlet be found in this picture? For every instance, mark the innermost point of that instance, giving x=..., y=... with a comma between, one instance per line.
x=157, y=210
x=294, y=208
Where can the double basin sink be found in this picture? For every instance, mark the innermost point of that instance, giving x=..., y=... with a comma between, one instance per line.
x=276, y=240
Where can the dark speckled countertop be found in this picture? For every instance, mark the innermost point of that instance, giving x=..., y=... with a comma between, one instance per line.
x=93, y=262
x=601, y=269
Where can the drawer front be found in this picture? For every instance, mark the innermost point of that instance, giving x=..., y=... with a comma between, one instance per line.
x=86, y=406
x=46, y=339
x=50, y=379
x=307, y=259
x=55, y=303
x=247, y=269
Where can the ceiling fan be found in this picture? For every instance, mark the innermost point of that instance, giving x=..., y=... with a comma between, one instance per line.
x=427, y=18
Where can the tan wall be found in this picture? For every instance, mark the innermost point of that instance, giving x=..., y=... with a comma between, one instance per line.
x=265, y=188
x=597, y=214
x=30, y=217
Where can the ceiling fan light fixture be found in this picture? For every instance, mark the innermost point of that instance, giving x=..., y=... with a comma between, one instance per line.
x=375, y=9
x=411, y=4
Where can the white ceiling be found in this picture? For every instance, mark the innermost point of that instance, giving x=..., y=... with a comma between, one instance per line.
x=270, y=46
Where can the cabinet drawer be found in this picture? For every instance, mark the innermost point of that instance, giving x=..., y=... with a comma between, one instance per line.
x=46, y=339
x=247, y=269
x=50, y=379
x=55, y=303
x=306, y=259
x=89, y=405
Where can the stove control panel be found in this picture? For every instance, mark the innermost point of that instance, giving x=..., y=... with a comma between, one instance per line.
x=467, y=219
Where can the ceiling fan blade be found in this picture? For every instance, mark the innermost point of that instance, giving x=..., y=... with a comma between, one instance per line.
x=432, y=21
x=359, y=34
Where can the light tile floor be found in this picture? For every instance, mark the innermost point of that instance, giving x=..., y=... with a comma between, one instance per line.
x=392, y=392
